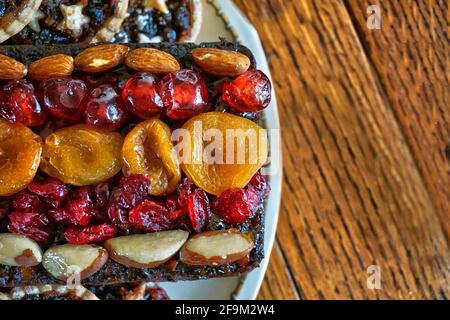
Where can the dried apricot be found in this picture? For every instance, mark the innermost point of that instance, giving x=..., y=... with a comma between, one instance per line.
x=223, y=151
x=82, y=155
x=20, y=152
x=148, y=150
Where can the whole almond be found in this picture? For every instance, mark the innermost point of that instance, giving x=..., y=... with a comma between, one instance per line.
x=101, y=58
x=58, y=65
x=151, y=60
x=222, y=63
x=11, y=69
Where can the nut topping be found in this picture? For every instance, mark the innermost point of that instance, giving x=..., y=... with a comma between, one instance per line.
x=214, y=248
x=151, y=60
x=63, y=261
x=101, y=58
x=19, y=250
x=146, y=250
x=58, y=65
x=221, y=63
x=11, y=69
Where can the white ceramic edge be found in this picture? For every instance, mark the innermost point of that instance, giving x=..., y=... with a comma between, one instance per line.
x=248, y=36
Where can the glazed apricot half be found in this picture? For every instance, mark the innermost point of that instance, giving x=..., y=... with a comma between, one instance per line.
x=148, y=150
x=221, y=151
x=82, y=155
x=20, y=152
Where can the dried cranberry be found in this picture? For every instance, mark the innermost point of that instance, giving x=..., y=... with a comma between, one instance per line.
x=150, y=216
x=82, y=193
x=253, y=198
x=52, y=191
x=249, y=92
x=134, y=190
x=19, y=104
x=141, y=96
x=80, y=212
x=175, y=210
x=101, y=195
x=34, y=225
x=26, y=201
x=184, y=94
x=4, y=208
x=184, y=189
x=103, y=109
x=116, y=213
x=261, y=185
x=63, y=98
x=90, y=234
x=199, y=210
x=232, y=206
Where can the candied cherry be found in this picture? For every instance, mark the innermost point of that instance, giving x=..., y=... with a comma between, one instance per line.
x=27, y=202
x=82, y=155
x=52, y=191
x=19, y=104
x=64, y=98
x=20, y=153
x=199, y=210
x=148, y=150
x=141, y=96
x=103, y=109
x=226, y=169
x=184, y=94
x=233, y=206
x=90, y=234
x=32, y=224
x=249, y=92
x=150, y=216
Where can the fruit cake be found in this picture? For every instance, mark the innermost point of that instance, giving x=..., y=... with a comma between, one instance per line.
x=93, y=184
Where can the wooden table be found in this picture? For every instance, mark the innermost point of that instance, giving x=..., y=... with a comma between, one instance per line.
x=365, y=118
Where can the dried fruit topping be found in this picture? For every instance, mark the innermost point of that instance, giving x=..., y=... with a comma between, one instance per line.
x=184, y=189
x=27, y=202
x=52, y=191
x=116, y=213
x=19, y=104
x=80, y=212
x=103, y=109
x=64, y=98
x=58, y=65
x=233, y=206
x=67, y=260
x=4, y=208
x=20, y=153
x=146, y=250
x=240, y=149
x=32, y=224
x=151, y=60
x=214, y=248
x=141, y=96
x=261, y=185
x=101, y=195
x=222, y=63
x=134, y=190
x=253, y=198
x=184, y=94
x=148, y=150
x=199, y=210
x=82, y=155
x=249, y=92
x=11, y=69
x=150, y=216
x=90, y=234
x=101, y=58
x=19, y=250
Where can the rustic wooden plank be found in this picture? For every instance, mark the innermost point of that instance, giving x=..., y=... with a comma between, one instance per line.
x=278, y=283
x=410, y=53
x=353, y=195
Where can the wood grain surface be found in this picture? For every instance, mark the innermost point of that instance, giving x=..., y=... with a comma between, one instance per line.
x=365, y=119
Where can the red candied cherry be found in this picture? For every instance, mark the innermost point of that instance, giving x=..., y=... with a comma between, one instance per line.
x=116, y=213
x=261, y=185
x=27, y=202
x=150, y=216
x=184, y=94
x=32, y=224
x=249, y=92
x=199, y=210
x=90, y=234
x=141, y=95
x=63, y=98
x=233, y=206
x=103, y=109
x=19, y=104
x=134, y=189
x=52, y=191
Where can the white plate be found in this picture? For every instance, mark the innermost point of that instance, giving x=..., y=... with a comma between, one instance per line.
x=215, y=15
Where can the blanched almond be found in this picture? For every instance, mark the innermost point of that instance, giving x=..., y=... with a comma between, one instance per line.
x=19, y=250
x=65, y=260
x=11, y=69
x=222, y=63
x=146, y=250
x=101, y=58
x=58, y=65
x=151, y=60
x=214, y=248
